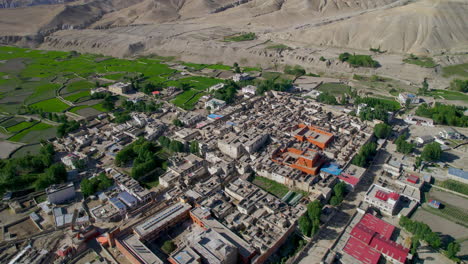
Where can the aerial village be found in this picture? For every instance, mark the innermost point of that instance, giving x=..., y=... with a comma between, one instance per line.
x=239, y=182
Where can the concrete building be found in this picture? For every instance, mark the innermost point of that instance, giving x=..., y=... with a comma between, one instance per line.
x=383, y=199
x=120, y=88
x=249, y=90
x=215, y=104
x=418, y=120
x=135, y=251
x=162, y=221
x=241, y=77
x=413, y=99
x=58, y=194
x=184, y=255
x=213, y=248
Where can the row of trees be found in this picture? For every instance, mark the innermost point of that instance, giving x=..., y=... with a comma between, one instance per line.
x=36, y=171
x=294, y=70
x=444, y=114
x=93, y=185
x=141, y=106
x=271, y=84
x=431, y=152
x=309, y=223
x=327, y=98
x=421, y=231
x=228, y=92
x=365, y=155
x=339, y=191
x=67, y=127
x=173, y=145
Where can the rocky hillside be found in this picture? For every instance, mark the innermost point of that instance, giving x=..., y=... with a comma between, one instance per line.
x=24, y=3
x=401, y=26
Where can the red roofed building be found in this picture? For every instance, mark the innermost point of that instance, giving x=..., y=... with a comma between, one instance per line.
x=383, y=199
x=371, y=237
x=307, y=161
x=389, y=249
x=313, y=135
x=378, y=225
x=361, y=251
x=155, y=92
x=413, y=179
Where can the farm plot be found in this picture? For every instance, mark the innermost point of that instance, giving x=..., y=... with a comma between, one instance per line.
x=34, y=134
x=51, y=105
x=20, y=126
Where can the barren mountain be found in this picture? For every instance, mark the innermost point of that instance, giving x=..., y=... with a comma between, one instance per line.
x=194, y=29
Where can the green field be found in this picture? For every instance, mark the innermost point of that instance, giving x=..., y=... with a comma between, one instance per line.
x=76, y=108
x=99, y=107
x=456, y=70
x=77, y=96
x=275, y=188
x=12, y=121
x=198, y=85
x=425, y=62
x=334, y=88
x=240, y=37
x=453, y=185
x=19, y=126
x=251, y=69
x=35, y=75
x=51, y=105
x=79, y=85
x=278, y=47
x=34, y=134
x=115, y=76
x=448, y=95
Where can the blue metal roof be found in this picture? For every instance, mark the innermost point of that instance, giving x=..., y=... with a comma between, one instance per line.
x=332, y=168
x=459, y=173
x=127, y=198
x=117, y=203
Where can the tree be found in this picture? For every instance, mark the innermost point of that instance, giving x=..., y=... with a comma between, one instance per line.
x=407, y=103
x=79, y=164
x=177, y=122
x=327, y=98
x=425, y=87
x=382, y=130
x=194, y=147
x=168, y=247
x=185, y=86
x=414, y=244
x=404, y=146
x=237, y=68
x=452, y=249
x=108, y=104
x=314, y=209
x=322, y=58
x=431, y=152
x=459, y=85
x=305, y=225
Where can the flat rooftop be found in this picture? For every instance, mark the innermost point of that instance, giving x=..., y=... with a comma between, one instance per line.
x=161, y=218
x=185, y=255
x=139, y=250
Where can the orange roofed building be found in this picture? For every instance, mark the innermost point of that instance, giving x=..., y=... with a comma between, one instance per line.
x=307, y=161
x=313, y=135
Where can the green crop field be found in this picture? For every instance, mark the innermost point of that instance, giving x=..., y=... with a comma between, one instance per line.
x=99, y=107
x=219, y=67
x=76, y=108
x=79, y=85
x=115, y=76
x=251, y=69
x=460, y=70
x=334, y=88
x=448, y=95
x=35, y=133
x=425, y=62
x=76, y=96
x=275, y=188
x=453, y=185
x=19, y=126
x=12, y=121
x=51, y=105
